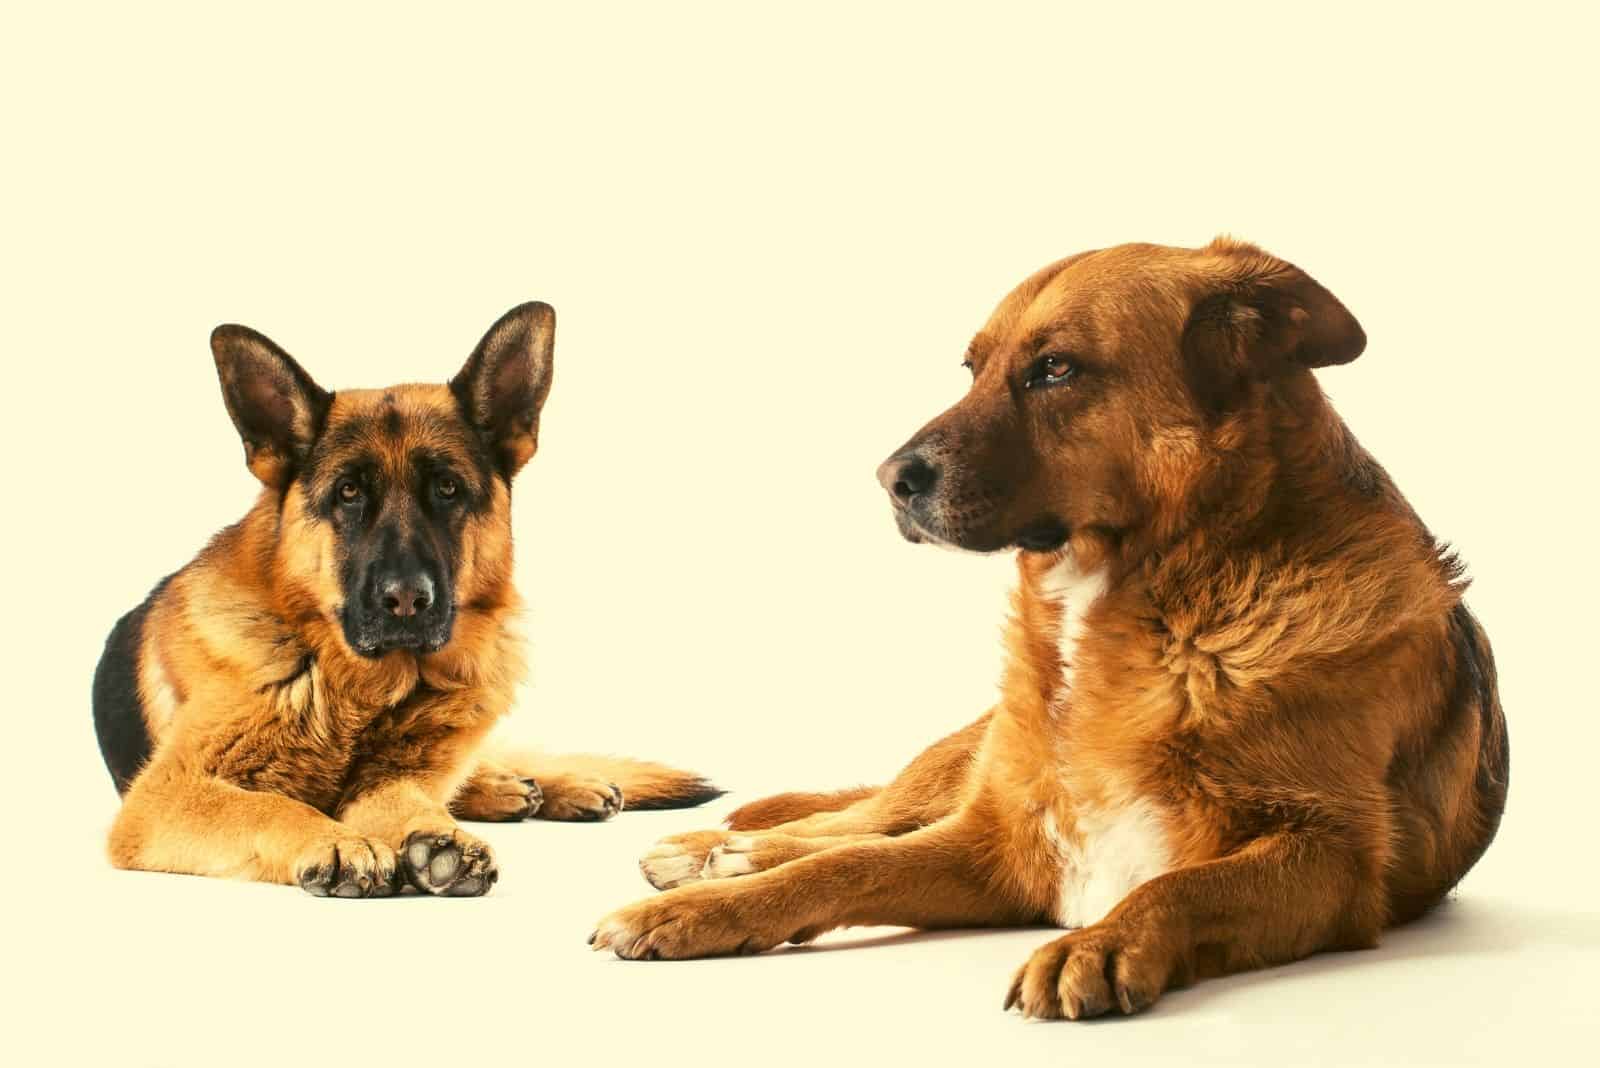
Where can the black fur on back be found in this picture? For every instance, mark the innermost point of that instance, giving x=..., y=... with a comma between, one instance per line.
x=1476, y=679
x=118, y=712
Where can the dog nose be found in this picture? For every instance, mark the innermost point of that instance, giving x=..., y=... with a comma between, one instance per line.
x=907, y=477
x=407, y=595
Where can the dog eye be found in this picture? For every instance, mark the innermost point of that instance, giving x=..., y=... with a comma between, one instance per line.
x=349, y=491
x=446, y=487
x=1051, y=369
x=967, y=364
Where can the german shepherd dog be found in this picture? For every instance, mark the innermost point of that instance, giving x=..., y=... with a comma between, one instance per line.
x=307, y=701
x=1245, y=716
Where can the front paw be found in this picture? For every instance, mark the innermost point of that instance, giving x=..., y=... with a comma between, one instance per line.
x=705, y=920
x=348, y=867
x=680, y=859
x=449, y=862
x=582, y=800
x=1089, y=973
x=704, y=855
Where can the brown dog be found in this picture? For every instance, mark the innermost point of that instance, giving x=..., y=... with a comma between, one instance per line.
x=307, y=700
x=1245, y=715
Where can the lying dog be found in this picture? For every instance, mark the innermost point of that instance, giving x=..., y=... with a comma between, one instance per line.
x=1245, y=716
x=306, y=701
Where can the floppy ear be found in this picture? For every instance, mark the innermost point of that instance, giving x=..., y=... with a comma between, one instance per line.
x=276, y=407
x=505, y=381
x=1261, y=317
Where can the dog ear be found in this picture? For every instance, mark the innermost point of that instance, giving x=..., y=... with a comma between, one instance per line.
x=1260, y=317
x=505, y=381
x=276, y=407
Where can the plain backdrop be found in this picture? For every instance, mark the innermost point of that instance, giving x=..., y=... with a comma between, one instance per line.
x=768, y=234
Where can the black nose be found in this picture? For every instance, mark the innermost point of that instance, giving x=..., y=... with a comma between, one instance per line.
x=407, y=595
x=907, y=476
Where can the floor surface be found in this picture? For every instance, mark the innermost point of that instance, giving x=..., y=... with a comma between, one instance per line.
x=171, y=970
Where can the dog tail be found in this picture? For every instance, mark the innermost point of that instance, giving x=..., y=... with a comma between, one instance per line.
x=781, y=808
x=645, y=784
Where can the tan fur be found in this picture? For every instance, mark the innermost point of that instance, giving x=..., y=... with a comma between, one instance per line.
x=578, y=786
x=1276, y=715
x=782, y=808
x=280, y=754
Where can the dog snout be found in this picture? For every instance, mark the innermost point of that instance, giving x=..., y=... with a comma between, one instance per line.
x=404, y=589
x=406, y=594
x=907, y=476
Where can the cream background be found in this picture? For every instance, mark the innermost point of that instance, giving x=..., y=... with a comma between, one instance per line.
x=768, y=237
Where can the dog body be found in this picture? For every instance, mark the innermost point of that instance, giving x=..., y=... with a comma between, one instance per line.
x=1244, y=717
x=307, y=701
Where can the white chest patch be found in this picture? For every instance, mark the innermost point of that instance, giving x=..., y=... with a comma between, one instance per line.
x=1108, y=850
x=1111, y=851
x=1075, y=591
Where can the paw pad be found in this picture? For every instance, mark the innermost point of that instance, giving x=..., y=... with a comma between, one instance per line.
x=448, y=864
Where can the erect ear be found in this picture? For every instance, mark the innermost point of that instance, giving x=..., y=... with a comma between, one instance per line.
x=505, y=381
x=276, y=407
x=1261, y=316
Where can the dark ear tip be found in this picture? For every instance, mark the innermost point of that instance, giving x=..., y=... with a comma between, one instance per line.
x=227, y=336
x=1355, y=345
x=534, y=312
x=1343, y=344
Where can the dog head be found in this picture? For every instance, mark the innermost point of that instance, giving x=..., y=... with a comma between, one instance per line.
x=394, y=504
x=1105, y=387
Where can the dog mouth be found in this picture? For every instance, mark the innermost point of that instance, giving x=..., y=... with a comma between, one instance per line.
x=414, y=642
x=1044, y=535
x=378, y=648
x=908, y=527
x=374, y=641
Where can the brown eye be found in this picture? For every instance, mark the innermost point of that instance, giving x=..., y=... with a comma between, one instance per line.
x=446, y=487
x=1051, y=370
x=349, y=492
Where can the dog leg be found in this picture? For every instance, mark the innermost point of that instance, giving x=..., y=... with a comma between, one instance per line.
x=687, y=858
x=206, y=826
x=1277, y=900
x=576, y=795
x=746, y=854
x=928, y=790
x=495, y=793
x=582, y=787
x=436, y=856
x=769, y=812
x=397, y=792
x=934, y=877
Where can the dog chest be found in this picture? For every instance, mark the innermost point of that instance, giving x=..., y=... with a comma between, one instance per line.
x=1104, y=853
x=1073, y=592
x=1103, y=848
